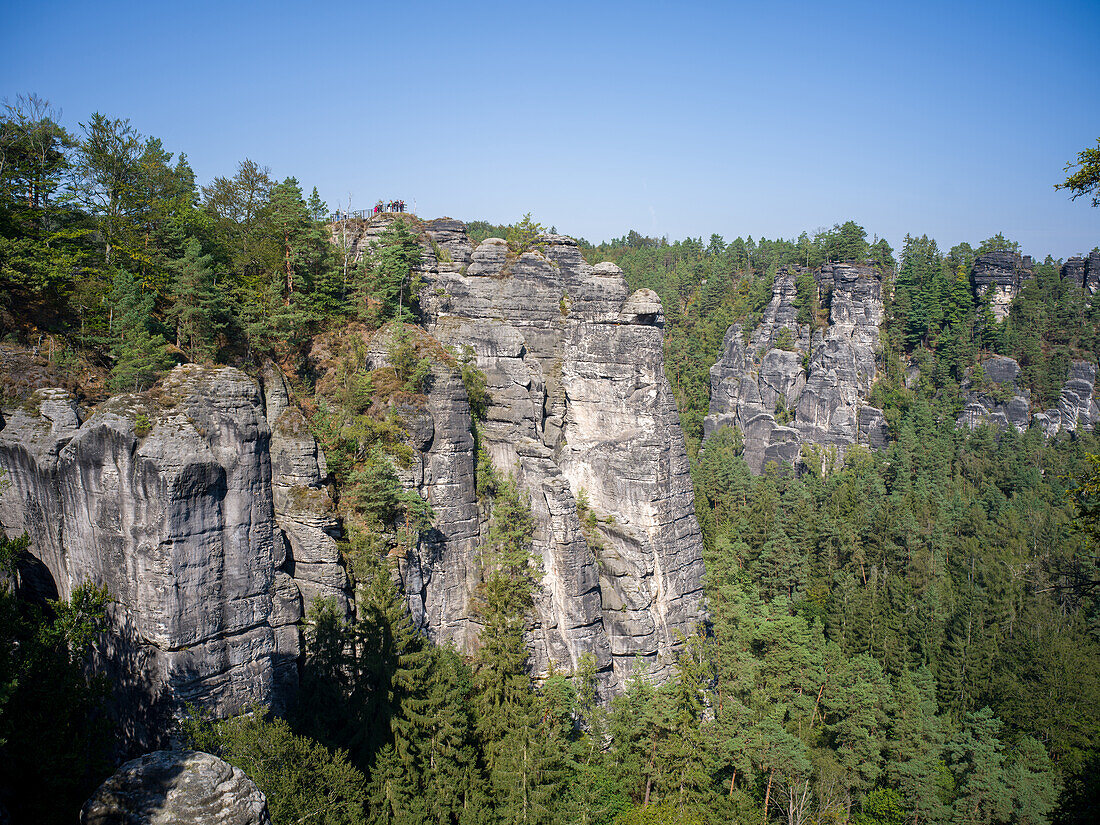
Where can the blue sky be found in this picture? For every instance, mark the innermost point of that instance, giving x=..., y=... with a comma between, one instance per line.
x=953, y=119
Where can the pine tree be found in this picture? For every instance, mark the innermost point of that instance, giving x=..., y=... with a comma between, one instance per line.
x=139, y=355
x=916, y=747
x=393, y=664
x=388, y=286
x=975, y=756
x=197, y=306
x=453, y=780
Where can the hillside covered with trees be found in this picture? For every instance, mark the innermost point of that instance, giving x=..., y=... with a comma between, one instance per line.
x=912, y=637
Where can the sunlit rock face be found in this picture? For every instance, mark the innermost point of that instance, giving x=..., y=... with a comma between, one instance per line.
x=581, y=410
x=786, y=385
x=998, y=276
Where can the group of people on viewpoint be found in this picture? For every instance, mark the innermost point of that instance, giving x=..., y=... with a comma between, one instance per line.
x=363, y=214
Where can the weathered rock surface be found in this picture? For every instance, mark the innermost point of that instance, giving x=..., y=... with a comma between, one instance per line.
x=579, y=401
x=1077, y=409
x=174, y=501
x=999, y=275
x=177, y=788
x=1084, y=271
x=812, y=391
x=1002, y=402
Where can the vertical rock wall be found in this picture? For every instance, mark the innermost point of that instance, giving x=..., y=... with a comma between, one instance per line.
x=579, y=402
x=170, y=500
x=803, y=386
x=998, y=275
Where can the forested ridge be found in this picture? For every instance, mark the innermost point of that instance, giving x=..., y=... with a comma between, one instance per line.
x=909, y=637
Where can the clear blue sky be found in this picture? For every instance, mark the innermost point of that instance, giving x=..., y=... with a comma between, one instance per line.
x=948, y=118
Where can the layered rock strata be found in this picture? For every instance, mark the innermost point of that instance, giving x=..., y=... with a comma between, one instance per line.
x=789, y=385
x=1077, y=409
x=579, y=403
x=1083, y=271
x=206, y=525
x=999, y=275
x=177, y=788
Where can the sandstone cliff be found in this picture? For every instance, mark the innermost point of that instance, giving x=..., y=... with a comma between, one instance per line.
x=1000, y=400
x=789, y=384
x=999, y=275
x=204, y=505
x=580, y=402
x=1083, y=271
x=206, y=523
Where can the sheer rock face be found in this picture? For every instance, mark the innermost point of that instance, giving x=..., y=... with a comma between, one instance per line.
x=814, y=390
x=999, y=275
x=177, y=788
x=579, y=401
x=1002, y=402
x=174, y=501
x=1084, y=271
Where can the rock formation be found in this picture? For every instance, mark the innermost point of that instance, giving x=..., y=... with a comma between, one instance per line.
x=579, y=402
x=174, y=500
x=788, y=385
x=1076, y=408
x=999, y=275
x=177, y=788
x=1000, y=401
x=1083, y=271
x=203, y=505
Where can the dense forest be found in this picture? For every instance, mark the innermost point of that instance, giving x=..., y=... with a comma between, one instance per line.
x=909, y=637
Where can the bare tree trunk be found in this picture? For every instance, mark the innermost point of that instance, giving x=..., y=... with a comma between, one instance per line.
x=817, y=703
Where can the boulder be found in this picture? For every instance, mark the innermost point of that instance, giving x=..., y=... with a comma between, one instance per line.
x=171, y=787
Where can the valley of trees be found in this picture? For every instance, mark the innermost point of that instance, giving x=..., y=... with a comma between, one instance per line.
x=911, y=637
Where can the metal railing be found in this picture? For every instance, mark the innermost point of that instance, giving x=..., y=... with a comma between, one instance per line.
x=365, y=214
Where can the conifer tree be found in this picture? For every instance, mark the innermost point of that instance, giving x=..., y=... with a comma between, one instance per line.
x=139, y=354
x=197, y=306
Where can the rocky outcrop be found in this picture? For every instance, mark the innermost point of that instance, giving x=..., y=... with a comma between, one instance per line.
x=206, y=527
x=788, y=385
x=999, y=276
x=579, y=402
x=996, y=398
x=303, y=504
x=177, y=788
x=1077, y=409
x=1083, y=271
